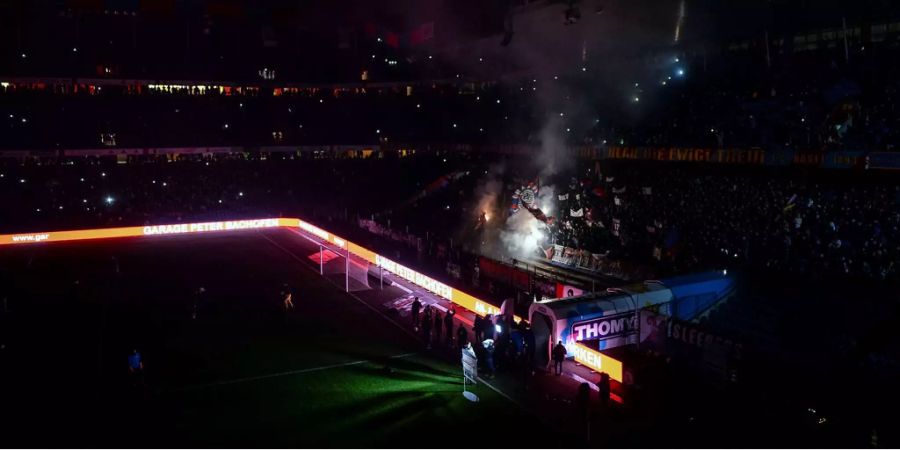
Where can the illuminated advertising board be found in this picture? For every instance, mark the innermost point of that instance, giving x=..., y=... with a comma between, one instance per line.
x=597, y=361
x=318, y=232
x=603, y=327
x=150, y=230
x=414, y=277
x=440, y=289
x=210, y=226
x=76, y=235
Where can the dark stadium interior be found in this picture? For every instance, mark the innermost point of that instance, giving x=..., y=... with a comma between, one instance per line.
x=707, y=190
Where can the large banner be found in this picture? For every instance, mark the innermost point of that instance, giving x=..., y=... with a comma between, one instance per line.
x=832, y=160
x=149, y=230
x=753, y=156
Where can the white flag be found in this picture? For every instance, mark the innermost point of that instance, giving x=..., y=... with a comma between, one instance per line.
x=577, y=212
x=563, y=197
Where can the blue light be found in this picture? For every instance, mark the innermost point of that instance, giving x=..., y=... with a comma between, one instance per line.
x=679, y=72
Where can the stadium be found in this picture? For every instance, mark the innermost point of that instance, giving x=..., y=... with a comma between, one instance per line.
x=449, y=224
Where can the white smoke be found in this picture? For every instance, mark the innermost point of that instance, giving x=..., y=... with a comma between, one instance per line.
x=553, y=155
x=522, y=234
x=488, y=192
x=547, y=200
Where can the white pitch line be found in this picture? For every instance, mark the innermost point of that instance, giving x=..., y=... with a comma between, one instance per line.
x=282, y=374
x=401, y=327
x=293, y=255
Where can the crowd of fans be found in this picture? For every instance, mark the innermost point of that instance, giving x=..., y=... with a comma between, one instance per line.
x=674, y=219
x=678, y=219
x=687, y=219
x=800, y=101
x=98, y=192
x=121, y=117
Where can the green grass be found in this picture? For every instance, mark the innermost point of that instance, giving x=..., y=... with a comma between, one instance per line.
x=243, y=374
x=418, y=403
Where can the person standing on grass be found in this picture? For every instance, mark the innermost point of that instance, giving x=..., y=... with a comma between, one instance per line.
x=438, y=323
x=478, y=329
x=198, y=298
x=583, y=405
x=136, y=368
x=448, y=325
x=416, y=307
x=426, y=326
x=530, y=344
x=489, y=357
x=488, y=324
x=287, y=298
x=605, y=389
x=4, y=326
x=559, y=355
x=462, y=337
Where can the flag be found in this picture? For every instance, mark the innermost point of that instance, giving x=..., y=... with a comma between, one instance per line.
x=548, y=252
x=230, y=8
x=344, y=38
x=87, y=5
x=422, y=33
x=538, y=214
x=157, y=6
x=122, y=5
x=563, y=197
x=620, y=190
x=617, y=200
x=647, y=190
x=576, y=212
x=370, y=30
x=392, y=39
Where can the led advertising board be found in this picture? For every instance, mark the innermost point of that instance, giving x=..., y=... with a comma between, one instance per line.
x=597, y=361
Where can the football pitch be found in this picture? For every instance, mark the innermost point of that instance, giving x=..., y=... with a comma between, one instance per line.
x=331, y=373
